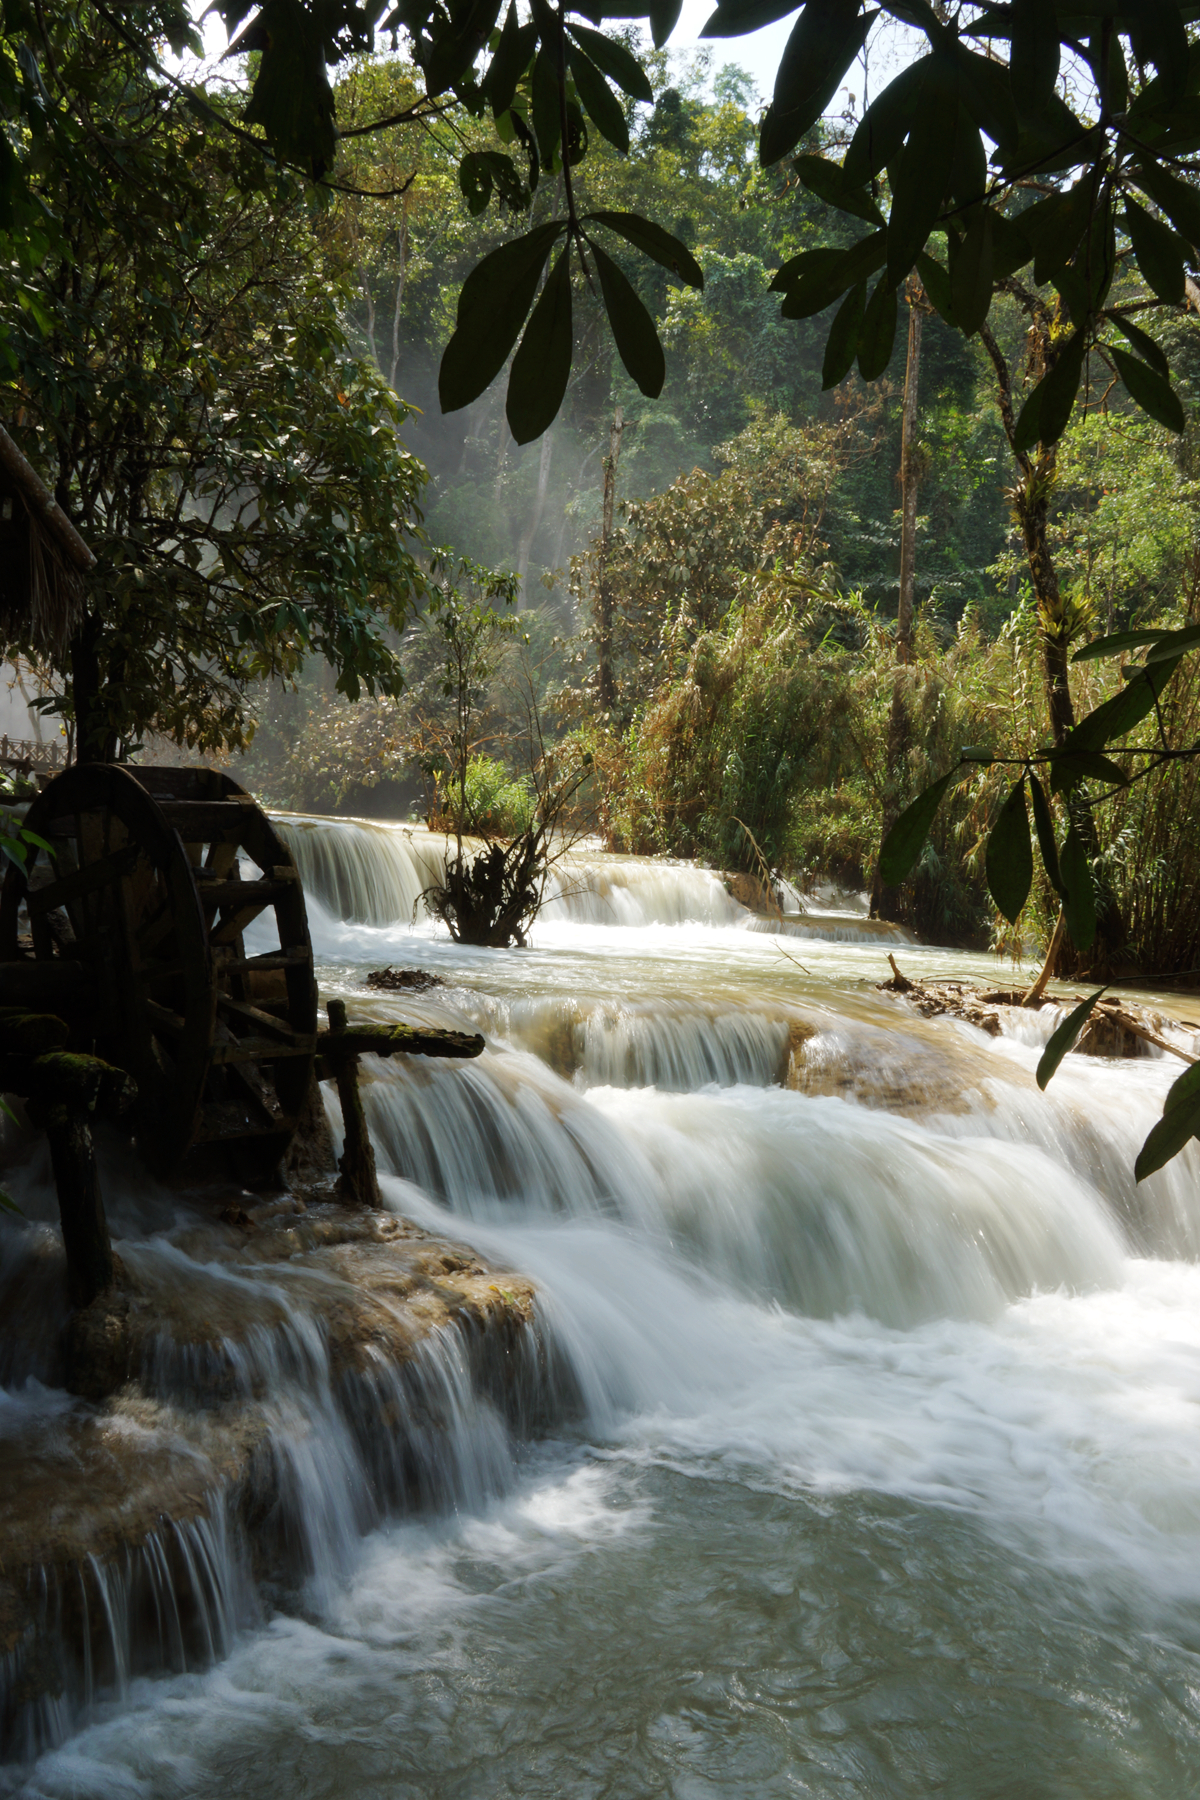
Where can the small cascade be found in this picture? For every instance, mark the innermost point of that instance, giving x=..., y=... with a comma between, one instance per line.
x=673, y=1044
x=364, y=873
x=833, y=928
x=631, y=890
x=792, y=1199
x=372, y=874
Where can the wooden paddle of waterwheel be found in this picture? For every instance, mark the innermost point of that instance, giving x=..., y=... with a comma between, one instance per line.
x=151, y=880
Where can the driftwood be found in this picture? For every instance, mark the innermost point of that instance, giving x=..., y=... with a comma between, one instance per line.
x=392, y=980
x=1112, y=1024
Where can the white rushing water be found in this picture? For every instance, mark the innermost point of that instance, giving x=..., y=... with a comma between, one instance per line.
x=884, y=1471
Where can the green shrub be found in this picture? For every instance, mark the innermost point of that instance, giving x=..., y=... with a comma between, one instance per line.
x=497, y=804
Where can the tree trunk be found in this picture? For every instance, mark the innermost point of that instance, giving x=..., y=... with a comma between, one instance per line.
x=1031, y=506
x=539, y=506
x=606, y=686
x=886, y=902
x=401, y=280
x=90, y=736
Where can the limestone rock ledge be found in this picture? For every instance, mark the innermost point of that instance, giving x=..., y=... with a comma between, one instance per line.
x=260, y=1389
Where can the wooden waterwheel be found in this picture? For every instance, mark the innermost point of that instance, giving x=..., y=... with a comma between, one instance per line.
x=146, y=890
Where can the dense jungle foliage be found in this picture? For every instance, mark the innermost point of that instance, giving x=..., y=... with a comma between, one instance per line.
x=753, y=557
x=229, y=380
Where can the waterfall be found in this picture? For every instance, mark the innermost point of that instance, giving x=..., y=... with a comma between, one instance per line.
x=364, y=873
x=741, y=1364
x=372, y=874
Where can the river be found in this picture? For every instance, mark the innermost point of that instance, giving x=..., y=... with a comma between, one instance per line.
x=878, y=1468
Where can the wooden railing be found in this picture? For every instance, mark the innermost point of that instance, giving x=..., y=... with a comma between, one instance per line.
x=28, y=755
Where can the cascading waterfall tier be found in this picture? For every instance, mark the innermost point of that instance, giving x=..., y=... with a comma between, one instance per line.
x=257, y=1398
x=371, y=874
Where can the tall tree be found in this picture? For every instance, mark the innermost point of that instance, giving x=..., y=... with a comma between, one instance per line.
x=181, y=378
x=886, y=901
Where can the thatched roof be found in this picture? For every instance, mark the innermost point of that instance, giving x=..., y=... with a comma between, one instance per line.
x=42, y=556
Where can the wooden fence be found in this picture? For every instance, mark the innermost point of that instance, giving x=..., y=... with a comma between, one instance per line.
x=31, y=757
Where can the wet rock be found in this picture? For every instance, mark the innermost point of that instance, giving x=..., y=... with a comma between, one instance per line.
x=310, y=1165
x=98, y=1346
x=753, y=893
x=139, y=1519
x=792, y=1058
x=398, y=980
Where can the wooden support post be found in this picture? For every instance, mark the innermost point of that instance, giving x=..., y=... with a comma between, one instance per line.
x=90, y=1266
x=63, y=1093
x=359, y=1180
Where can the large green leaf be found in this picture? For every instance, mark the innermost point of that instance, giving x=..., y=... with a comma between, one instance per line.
x=454, y=50
x=821, y=283
x=1009, y=858
x=1115, y=644
x=1055, y=226
x=664, y=16
x=1172, y=644
x=599, y=101
x=921, y=174
x=547, y=111
x=827, y=181
x=736, y=17
x=878, y=334
x=1179, y=1124
x=632, y=327
x=291, y=98
x=1065, y=1037
x=654, y=242
x=823, y=43
x=884, y=126
x=542, y=365
x=1119, y=715
x=1044, y=823
x=482, y=170
x=985, y=92
x=902, y=845
x=968, y=164
x=614, y=60
x=1158, y=250
x=512, y=57
x=971, y=273
x=1033, y=61
x=1045, y=414
x=804, y=266
x=1152, y=393
x=936, y=283
x=1159, y=36
x=1069, y=767
x=1178, y=199
x=495, y=298
x=841, y=346
x=510, y=62
x=1079, y=895
x=1143, y=343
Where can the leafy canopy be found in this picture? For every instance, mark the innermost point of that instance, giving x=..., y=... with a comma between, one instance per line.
x=176, y=364
x=1062, y=134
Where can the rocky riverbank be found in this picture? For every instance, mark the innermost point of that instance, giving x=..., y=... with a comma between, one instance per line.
x=267, y=1381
